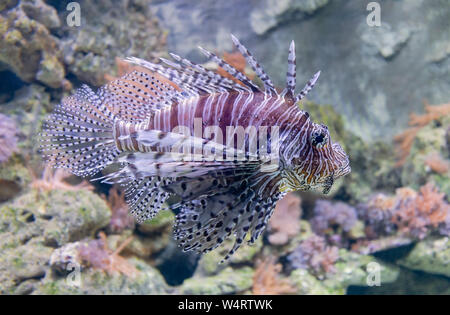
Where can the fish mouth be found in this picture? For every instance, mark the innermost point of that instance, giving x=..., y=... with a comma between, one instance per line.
x=330, y=179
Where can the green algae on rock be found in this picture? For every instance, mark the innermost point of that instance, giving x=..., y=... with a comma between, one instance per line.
x=228, y=281
x=92, y=281
x=430, y=255
x=209, y=263
x=351, y=269
x=28, y=48
x=33, y=223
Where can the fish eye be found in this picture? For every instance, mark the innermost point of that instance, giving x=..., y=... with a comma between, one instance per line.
x=318, y=139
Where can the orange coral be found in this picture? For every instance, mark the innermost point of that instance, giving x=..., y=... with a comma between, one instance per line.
x=381, y=202
x=96, y=254
x=437, y=164
x=120, y=219
x=417, y=212
x=406, y=138
x=56, y=179
x=285, y=222
x=267, y=280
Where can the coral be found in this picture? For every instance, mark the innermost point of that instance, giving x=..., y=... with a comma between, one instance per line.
x=57, y=179
x=417, y=214
x=120, y=218
x=334, y=220
x=314, y=254
x=266, y=279
x=406, y=139
x=285, y=222
x=377, y=213
x=437, y=163
x=96, y=254
x=8, y=137
x=429, y=157
x=411, y=213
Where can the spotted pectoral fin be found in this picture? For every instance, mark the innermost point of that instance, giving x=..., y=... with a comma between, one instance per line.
x=145, y=198
x=204, y=223
x=216, y=181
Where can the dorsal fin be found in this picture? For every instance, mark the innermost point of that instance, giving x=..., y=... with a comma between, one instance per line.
x=230, y=69
x=307, y=87
x=268, y=85
x=203, y=77
x=291, y=82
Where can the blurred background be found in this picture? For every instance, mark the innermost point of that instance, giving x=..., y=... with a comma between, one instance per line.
x=384, y=92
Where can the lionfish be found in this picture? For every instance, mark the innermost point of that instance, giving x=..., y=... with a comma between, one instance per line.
x=131, y=126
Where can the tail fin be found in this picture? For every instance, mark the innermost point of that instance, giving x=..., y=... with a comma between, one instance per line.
x=78, y=135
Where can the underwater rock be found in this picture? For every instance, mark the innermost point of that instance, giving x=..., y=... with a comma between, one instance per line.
x=28, y=109
x=40, y=11
x=93, y=281
x=209, y=263
x=25, y=262
x=28, y=48
x=355, y=269
x=74, y=215
x=305, y=283
x=385, y=39
x=228, y=281
x=430, y=255
x=154, y=235
x=59, y=216
x=14, y=177
x=110, y=29
x=163, y=221
x=269, y=13
x=409, y=282
x=350, y=269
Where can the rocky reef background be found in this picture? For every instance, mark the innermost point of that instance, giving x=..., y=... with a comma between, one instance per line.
x=389, y=218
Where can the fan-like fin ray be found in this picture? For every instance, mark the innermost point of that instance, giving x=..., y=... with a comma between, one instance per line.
x=268, y=85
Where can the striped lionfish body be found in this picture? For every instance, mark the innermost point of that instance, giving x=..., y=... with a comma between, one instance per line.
x=225, y=151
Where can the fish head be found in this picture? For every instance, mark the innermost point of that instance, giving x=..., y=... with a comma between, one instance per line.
x=316, y=162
